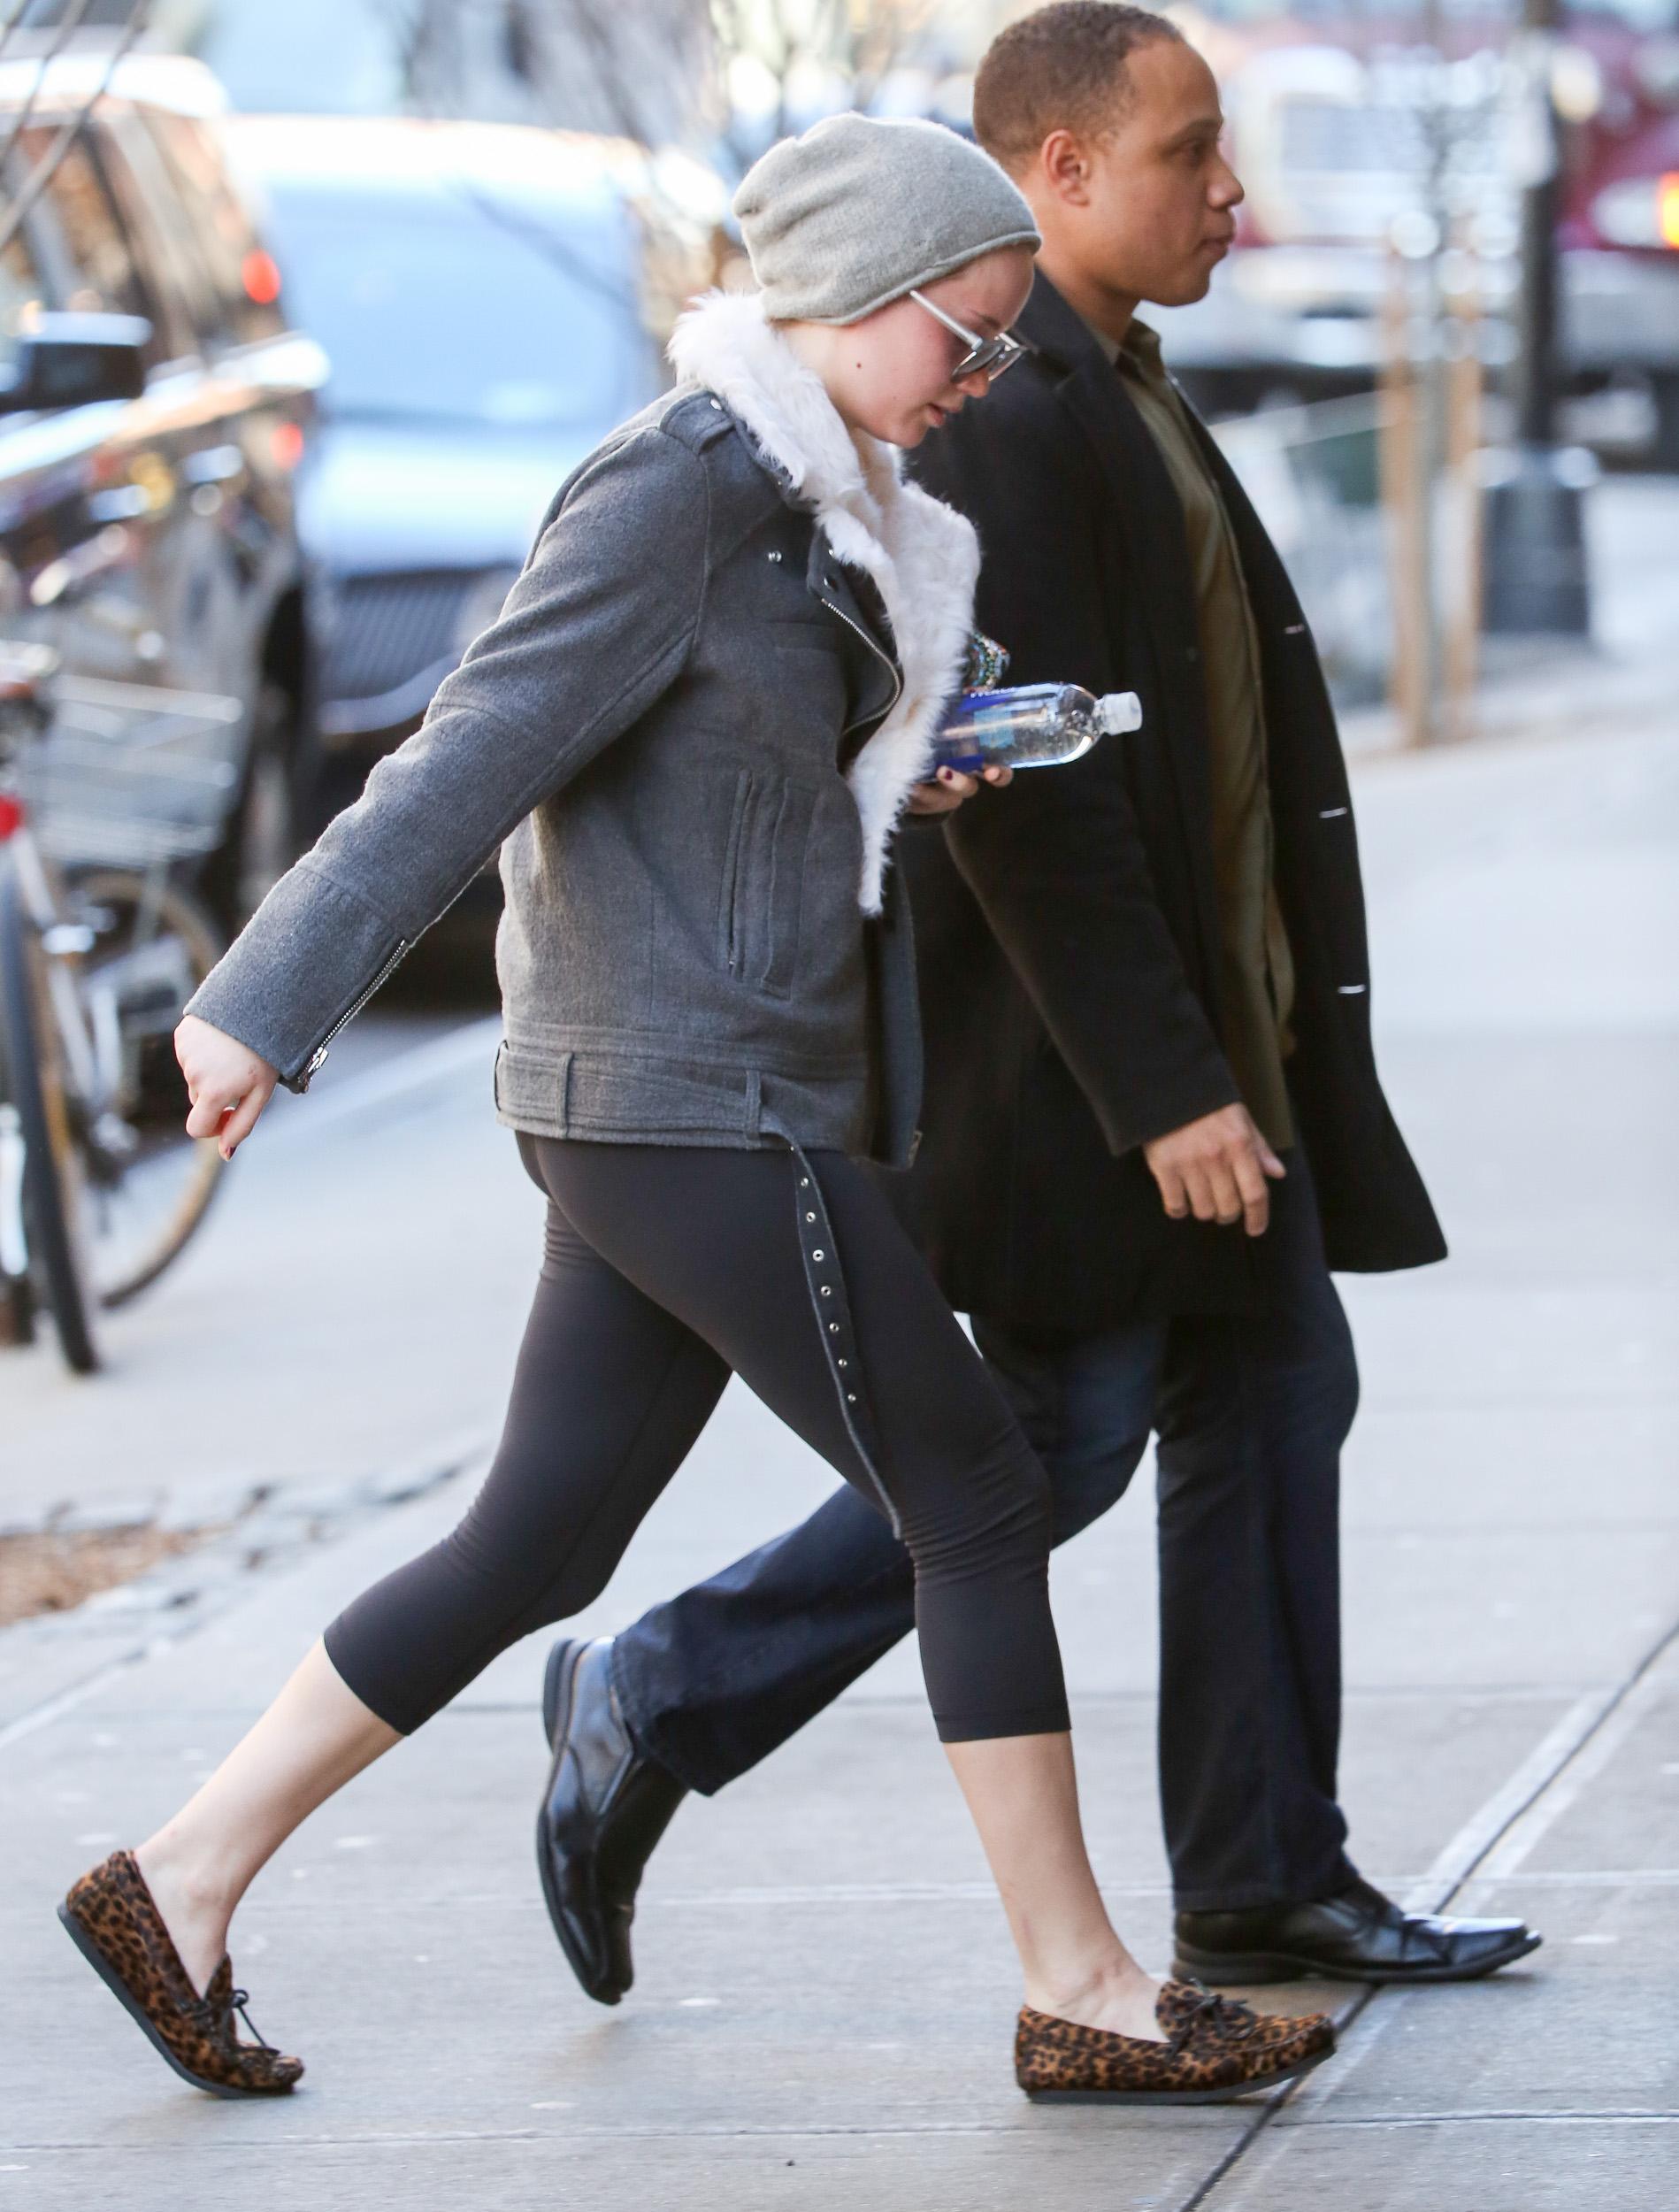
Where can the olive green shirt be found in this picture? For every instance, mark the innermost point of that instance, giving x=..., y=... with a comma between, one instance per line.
x=1257, y=970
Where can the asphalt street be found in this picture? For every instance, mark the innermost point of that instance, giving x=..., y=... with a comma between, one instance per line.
x=826, y=1991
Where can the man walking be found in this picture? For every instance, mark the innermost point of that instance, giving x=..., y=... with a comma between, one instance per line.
x=1153, y=1120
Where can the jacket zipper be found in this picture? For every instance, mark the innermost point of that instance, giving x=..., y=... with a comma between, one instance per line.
x=731, y=888
x=316, y=1059
x=897, y=673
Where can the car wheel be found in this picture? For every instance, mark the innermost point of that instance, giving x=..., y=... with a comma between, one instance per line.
x=263, y=831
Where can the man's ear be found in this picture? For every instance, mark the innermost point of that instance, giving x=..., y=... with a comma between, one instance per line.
x=1064, y=167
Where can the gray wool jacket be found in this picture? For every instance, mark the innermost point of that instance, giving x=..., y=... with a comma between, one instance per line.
x=690, y=740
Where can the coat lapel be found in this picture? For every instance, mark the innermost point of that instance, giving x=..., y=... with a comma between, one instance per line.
x=1149, y=519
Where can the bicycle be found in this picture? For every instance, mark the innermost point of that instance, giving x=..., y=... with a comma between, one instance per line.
x=108, y=793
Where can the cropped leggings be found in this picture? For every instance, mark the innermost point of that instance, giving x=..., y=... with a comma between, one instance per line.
x=664, y=1269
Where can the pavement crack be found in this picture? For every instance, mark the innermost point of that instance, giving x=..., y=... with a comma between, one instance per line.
x=569, y=2132
x=1613, y=2115
x=1476, y=1844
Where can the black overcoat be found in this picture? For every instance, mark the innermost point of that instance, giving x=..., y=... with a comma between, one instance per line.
x=1067, y=927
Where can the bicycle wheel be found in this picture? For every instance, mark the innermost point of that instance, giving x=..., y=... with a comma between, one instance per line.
x=52, y=1176
x=149, y=1185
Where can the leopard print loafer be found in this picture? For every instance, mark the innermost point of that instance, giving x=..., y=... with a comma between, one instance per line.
x=112, y=1921
x=1214, y=2049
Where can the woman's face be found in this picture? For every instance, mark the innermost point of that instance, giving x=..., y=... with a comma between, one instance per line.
x=890, y=373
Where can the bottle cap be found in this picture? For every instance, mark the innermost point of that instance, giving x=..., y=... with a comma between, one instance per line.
x=1117, y=711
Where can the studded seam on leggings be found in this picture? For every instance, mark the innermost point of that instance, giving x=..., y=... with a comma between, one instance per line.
x=831, y=1305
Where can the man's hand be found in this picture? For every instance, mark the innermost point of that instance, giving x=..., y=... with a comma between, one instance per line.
x=227, y=1083
x=951, y=787
x=1215, y=1168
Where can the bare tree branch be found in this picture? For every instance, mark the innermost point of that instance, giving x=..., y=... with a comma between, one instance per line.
x=41, y=175
x=13, y=21
x=67, y=24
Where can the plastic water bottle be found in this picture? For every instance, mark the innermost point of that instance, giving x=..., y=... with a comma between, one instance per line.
x=1033, y=725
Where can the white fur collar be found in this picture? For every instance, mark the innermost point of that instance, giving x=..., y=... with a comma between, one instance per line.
x=922, y=556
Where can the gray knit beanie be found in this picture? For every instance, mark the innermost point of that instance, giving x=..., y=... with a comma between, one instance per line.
x=857, y=212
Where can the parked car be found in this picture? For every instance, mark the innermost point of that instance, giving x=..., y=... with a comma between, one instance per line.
x=493, y=299
x=1329, y=136
x=154, y=404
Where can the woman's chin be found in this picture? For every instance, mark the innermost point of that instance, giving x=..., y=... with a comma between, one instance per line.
x=905, y=429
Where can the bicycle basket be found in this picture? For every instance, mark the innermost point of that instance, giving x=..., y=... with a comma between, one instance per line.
x=130, y=774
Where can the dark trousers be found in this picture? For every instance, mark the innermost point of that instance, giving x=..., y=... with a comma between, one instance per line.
x=1251, y=1414
x=663, y=1270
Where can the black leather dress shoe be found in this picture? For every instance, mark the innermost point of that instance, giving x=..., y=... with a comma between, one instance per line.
x=1358, y=1935
x=605, y=1809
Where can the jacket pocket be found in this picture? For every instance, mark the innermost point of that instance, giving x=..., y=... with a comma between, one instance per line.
x=761, y=910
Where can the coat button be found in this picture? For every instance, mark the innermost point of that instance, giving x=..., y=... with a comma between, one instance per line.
x=772, y=556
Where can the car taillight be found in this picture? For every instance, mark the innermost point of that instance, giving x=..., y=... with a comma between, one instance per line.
x=1639, y=212
x=11, y=816
x=260, y=274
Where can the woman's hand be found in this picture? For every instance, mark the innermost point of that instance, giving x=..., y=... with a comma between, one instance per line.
x=947, y=792
x=227, y=1083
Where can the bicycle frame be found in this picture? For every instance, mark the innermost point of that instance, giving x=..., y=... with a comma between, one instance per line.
x=14, y=1250
x=64, y=943
x=103, y=945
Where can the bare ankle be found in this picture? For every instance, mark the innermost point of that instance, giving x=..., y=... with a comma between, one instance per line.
x=1114, y=1992
x=183, y=1883
x=1083, y=1983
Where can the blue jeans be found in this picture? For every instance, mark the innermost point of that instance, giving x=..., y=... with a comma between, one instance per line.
x=1251, y=1413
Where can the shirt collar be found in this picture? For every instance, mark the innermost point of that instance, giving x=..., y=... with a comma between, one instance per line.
x=1109, y=346
x=1140, y=347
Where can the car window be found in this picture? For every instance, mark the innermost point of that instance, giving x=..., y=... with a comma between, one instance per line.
x=88, y=264
x=19, y=295
x=244, y=280
x=467, y=306
x=169, y=233
x=1638, y=15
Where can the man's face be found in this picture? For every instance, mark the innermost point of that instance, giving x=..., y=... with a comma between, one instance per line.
x=1163, y=199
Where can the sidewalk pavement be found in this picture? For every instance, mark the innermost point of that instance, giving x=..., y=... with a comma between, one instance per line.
x=825, y=1996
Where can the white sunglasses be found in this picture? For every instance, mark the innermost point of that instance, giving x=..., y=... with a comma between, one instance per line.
x=984, y=357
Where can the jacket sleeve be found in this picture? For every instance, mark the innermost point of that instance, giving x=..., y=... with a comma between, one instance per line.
x=597, y=627
x=1057, y=861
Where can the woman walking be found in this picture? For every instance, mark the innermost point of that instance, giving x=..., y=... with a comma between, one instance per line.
x=695, y=725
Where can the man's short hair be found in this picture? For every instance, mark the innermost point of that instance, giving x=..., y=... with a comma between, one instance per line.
x=1060, y=68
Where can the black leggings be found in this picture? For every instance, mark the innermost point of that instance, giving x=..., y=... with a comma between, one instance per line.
x=665, y=1268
